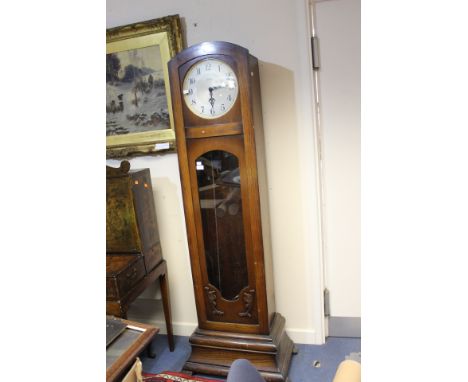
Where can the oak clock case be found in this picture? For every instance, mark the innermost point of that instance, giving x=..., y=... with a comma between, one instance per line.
x=222, y=168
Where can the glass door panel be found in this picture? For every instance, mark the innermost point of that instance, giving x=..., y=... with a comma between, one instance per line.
x=219, y=190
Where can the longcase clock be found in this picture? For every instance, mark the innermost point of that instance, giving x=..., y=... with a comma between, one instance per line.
x=215, y=92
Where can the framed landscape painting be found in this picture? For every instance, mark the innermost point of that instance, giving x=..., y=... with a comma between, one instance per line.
x=138, y=105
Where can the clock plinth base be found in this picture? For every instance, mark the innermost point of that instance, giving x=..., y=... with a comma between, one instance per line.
x=213, y=351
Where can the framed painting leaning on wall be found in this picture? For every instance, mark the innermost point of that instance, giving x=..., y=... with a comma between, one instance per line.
x=138, y=105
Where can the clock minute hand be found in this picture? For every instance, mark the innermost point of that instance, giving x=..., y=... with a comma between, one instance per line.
x=218, y=87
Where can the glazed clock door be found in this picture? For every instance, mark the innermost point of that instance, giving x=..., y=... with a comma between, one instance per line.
x=224, y=241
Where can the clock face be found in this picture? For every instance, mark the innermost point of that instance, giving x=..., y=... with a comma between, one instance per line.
x=210, y=88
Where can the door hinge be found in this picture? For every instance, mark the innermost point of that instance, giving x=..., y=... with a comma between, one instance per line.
x=315, y=52
x=326, y=302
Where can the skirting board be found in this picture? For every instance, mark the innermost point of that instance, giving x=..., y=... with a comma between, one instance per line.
x=298, y=336
x=344, y=327
x=178, y=328
x=149, y=311
x=303, y=336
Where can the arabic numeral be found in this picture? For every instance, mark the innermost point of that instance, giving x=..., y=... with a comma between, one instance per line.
x=194, y=102
x=212, y=112
x=229, y=97
x=203, y=109
x=198, y=70
x=223, y=107
x=192, y=81
x=208, y=66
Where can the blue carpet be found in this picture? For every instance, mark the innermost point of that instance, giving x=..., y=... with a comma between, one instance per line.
x=302, y=367
x=328, y=355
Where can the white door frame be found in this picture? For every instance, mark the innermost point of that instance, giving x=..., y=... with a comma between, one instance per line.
x=311, y=181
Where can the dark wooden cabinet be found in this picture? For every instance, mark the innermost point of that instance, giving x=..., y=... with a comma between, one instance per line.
x=133, y=249
x=217, y=112
x=131, y=218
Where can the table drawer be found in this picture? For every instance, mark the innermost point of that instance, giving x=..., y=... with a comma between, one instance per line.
x=123, y=273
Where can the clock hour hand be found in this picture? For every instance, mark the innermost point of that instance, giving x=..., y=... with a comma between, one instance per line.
x=211, y=100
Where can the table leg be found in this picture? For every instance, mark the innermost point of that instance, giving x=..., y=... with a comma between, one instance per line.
x=149, y=351
x=167, y=309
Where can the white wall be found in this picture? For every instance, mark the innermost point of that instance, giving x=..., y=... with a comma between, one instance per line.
x=337, y=25
x=276, y=32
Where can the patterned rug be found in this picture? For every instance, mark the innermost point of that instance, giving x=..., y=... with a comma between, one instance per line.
x=170, y=376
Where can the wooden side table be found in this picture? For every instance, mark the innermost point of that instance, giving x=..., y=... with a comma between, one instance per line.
x=119, y=308
x=134, y=258
x=122, y=352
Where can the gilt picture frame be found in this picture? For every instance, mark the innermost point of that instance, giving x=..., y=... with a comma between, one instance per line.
x=139, y=117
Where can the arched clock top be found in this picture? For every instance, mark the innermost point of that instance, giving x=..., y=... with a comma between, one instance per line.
x=204, y=49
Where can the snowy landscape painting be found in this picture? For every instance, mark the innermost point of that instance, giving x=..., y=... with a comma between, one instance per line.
x=136, y=99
